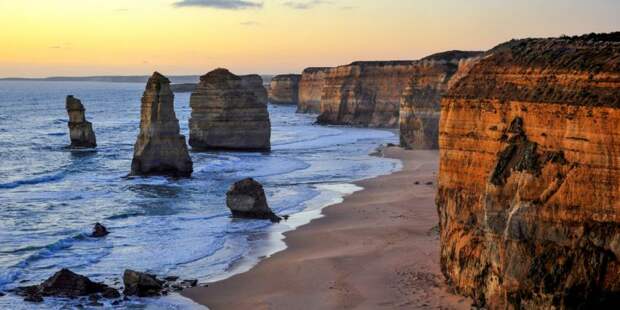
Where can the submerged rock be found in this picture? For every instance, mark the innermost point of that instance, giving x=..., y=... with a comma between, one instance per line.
x=99, y=231
x=80, y=131
x=160, y=148
x=141, y=284
x=226, y=114
x=246, y=199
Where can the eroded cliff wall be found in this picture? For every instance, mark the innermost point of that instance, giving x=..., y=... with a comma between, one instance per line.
x=365, y=93
x=311, y=89
x=284, y=89
x=419, y=104
x=529, y=182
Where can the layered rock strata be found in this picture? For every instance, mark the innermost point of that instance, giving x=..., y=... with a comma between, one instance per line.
x=254, y=82
x=365, y=93
x=80, y=131
x=226, y=114
x=529, y=182
x=284, y=89
x=419, y=104
x=160, y=148
x=311, y=89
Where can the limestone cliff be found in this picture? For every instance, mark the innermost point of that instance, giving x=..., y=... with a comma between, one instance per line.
x=254, y=82
x=226, y=114
x=419, y=104
x=80, y=130
x=365, y=93
x=284, y=89
x=529, y=181
x=311, y=90
x=160, y=148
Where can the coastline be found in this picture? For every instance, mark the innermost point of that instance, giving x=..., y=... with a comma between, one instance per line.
x=376, y=249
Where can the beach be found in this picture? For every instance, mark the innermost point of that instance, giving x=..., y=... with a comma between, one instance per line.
x=379, y=248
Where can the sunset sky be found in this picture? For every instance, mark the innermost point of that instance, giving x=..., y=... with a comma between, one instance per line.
x=120, y=37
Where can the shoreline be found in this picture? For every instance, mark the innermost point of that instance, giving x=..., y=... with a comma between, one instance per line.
x=372, y=250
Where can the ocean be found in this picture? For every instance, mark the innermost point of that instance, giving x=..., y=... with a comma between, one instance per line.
x=51, y=196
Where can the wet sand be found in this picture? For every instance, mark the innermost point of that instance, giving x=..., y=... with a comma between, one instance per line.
x=379, y=249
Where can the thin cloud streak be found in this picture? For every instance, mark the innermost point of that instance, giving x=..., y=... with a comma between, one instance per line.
x=305, y=5
x=219, y=4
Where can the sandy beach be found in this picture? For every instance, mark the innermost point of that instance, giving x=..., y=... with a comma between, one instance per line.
x=377, y=249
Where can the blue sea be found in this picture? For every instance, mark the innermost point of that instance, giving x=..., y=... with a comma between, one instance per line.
x=50, y=196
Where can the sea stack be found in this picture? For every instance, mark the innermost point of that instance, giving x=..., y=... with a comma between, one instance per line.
x=311, y=89
x=80, y=131
x=160, y=148
x=226, y=114
x=529, y=176
x=254, y=82
x=365, y=93
x=420, y=103
x=284, y=89
x=246, y=199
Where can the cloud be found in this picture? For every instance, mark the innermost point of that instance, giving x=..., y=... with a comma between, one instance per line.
x=220, y=4
x=250, y=23
x=55, y=47
x=348, y=8
x=304, y=5
x=121, y=10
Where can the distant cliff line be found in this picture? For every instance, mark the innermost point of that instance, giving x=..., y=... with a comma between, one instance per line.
x=178, y=79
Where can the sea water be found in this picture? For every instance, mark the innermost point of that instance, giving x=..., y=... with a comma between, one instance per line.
x=50, y=196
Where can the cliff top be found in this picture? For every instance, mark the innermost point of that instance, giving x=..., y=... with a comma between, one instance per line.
x=452, y=55
x=382, y=63
x=157, y=79
x=316, y=69
x=74, y=104
x=217, y=75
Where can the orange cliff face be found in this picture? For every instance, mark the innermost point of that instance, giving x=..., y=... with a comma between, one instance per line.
x=365, y=93
x=529, y=182
x=419, y=104
x=284, y=89
x=311, y=89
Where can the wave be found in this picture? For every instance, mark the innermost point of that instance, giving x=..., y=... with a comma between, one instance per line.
x=34, y=180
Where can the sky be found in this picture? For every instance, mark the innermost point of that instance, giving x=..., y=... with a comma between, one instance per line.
x=119, y=37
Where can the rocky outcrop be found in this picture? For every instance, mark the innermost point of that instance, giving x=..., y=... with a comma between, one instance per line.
x=246, y=199
x=80, y=131
x=365, y=93
x=311, y=89
x=141, y=284
x=284, y=89
x=68, y=284
x=419, y=105
x=226, y=114
x=254, y=83
x=160, y=148
x=529, y=179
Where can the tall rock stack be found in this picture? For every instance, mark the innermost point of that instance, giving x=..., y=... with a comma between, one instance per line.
x=365, y=93
x=284, y=89
x=226, y=114
x=419, y=105
x=80, y=131
x=529, y=179
x=311, y=89
x=160, y=148
x=254, y=82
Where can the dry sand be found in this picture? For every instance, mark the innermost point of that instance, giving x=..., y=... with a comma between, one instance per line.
x=378, y=249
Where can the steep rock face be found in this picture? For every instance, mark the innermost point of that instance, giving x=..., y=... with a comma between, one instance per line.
x=311, y=89
x=80, y=131
x=254, y=82
x=284, y=89
x=226, y=114
x=365, y=93
x=529, y=183
x=160, y=148
x=419, y=105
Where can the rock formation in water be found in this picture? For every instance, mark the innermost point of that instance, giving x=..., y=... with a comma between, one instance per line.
x=160, y=148
x=254, y=82
x=99, y=231
x=419, y=105
x=311, y=89
x=246, y=199
x=365, y=93
x=529, y=181
x=80, y=131
x=67, y=284
x=141, y=284
x=226, y=114
x=284, y=89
